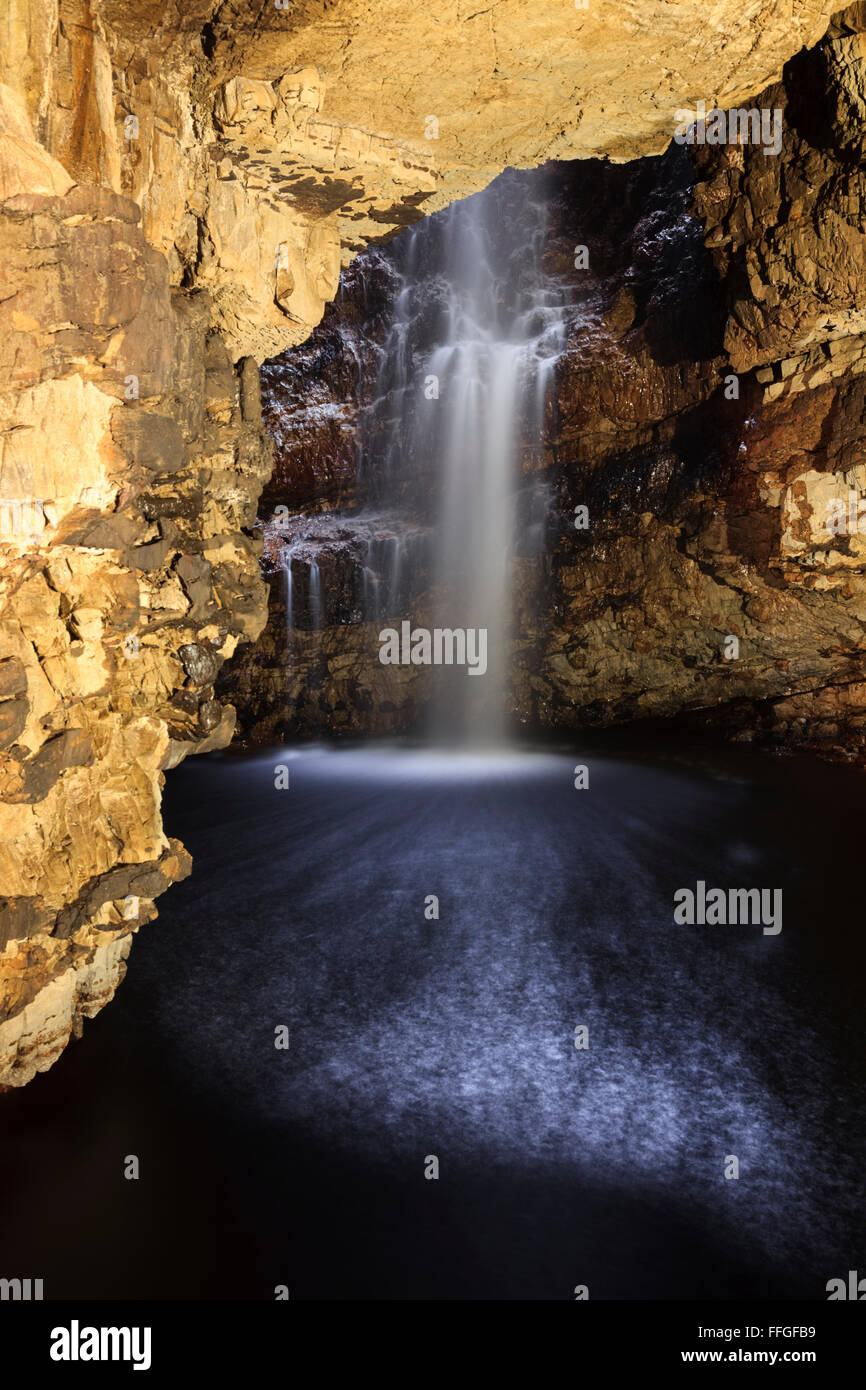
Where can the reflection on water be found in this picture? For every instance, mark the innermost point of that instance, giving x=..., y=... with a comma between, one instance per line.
x=454, y=1036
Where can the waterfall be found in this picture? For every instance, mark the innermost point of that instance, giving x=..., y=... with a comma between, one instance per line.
x=290, y=615
x=446, y=493
x=315, y=596
x=296, y=552
x=459, y=410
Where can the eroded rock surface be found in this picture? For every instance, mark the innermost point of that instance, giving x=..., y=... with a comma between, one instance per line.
x=128, y=576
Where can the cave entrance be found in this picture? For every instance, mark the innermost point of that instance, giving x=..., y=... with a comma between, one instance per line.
x=478, y=381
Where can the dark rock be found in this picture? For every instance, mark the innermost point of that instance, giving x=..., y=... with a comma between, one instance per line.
x=200, y=663
x=153, y=442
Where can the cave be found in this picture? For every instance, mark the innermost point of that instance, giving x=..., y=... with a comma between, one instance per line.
x=432, y=641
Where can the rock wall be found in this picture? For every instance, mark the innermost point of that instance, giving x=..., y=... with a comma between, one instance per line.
x=179, y=187
x=708, y=412
x=132, y=460
x=712, y=507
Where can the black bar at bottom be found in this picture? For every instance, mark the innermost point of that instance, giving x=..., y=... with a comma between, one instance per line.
x=167, y=1339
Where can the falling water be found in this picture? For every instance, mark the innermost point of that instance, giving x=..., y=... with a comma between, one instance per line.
x=290, y=615
x=443, y=500
x=297, y=559
x=460, y=410
x=315, y=596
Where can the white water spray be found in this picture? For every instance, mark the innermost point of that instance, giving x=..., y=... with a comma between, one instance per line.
x=479, y=400
x=459, y=404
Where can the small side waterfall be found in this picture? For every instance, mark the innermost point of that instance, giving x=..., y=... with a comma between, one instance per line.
x=315, y=596
x=290, y=606
x=298, y=560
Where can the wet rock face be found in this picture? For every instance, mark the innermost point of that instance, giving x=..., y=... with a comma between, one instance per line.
x=734, y=518
x=312, y=393
x=787, y=233
x=709, y=506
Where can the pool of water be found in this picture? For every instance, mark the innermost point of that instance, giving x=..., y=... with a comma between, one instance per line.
x=413, y=1037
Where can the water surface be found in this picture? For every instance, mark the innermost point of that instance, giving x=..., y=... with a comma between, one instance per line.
x=455, y=1038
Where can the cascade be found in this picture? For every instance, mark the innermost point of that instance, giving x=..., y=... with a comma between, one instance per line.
x=441, y=505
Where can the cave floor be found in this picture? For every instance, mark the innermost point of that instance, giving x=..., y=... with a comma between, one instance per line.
x=413, y=1038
